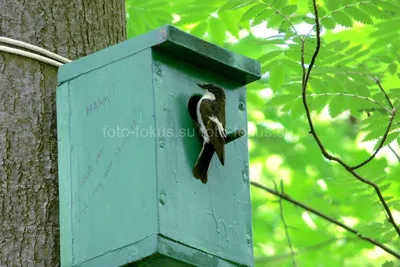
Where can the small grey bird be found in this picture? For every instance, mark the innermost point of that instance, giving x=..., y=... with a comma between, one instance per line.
x=210, y=114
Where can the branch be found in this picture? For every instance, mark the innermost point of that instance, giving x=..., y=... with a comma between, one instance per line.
x=285, y=225
x=326, y=217
x=382, y=141
x=314, y=56
x=314, y=134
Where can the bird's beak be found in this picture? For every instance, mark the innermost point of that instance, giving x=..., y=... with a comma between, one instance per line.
x=202, y=86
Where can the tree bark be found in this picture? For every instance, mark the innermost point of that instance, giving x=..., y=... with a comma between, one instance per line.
x=29, y=213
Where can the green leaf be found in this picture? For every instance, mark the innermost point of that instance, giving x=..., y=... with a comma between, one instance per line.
x=200, y=29
x=252, y=12
x=318, y=103
x=293, y=65
x=337, y=106
x=384, y=187
x=347, y=2
x=349, y=86
x=195, y=18
x=389, y=139
x=341, y=18
x=359, y=15
x=328, y=23
x=340, y=45
x=371, y=228
x=385, y=5
x=309, y=20
x=388, y=264
x=362, y=82
x=375, y=122
x=333, y=84
x=292, y=87
x=353, y=50
x=275, y=21
x=293, y=52
x=270, y=55
x=374, y=11
x=284, y=99
x=362, y=53
x=388, y=236
x=392, y=68
x=230, y=23
x=318, y=86
x=297, y=108
x=265, y=15
x=277, y=76
x=278, y=4
x=332, y=5
x=270, y=65
x=372, y=136
x=379, y=180
x=394, y=204
x=321, y=11
x=235, y=4
x=216, y=30
x=289, y=10
x=284, y=27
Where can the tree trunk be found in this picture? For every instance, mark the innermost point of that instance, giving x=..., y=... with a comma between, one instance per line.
x=29, y=213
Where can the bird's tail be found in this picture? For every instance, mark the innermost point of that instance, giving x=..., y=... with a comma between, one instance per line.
x=203, y=162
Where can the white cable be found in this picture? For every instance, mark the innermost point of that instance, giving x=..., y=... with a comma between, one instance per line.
x=34, y=48
x=30, y=55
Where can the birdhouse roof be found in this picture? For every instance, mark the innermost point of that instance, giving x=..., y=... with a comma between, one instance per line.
x=174, y=42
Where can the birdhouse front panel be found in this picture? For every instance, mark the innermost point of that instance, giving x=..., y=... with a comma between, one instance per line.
x=213, y=217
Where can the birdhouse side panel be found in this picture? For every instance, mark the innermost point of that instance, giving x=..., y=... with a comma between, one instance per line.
x=106, y=115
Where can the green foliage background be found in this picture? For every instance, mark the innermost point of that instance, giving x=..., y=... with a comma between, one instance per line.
x=360, y=44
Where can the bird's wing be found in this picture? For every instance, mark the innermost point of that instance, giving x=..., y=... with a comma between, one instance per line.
x=216, y=139
x=213, y=118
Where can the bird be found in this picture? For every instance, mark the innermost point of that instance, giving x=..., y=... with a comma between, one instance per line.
x=210, y=113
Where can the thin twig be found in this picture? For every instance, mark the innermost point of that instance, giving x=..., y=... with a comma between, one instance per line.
x=381, y=143
x=326, y=217
x=353, y=95
x=301, y=250
x=394, y=152
x=314, y=134
x=336, y=10
x=390, y=147
x=285, y=225
x=378, y=82
x=280, y=13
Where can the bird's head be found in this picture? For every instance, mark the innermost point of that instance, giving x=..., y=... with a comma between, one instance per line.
x=212, y=88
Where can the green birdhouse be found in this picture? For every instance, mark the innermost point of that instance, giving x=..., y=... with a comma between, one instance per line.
x=127, y=146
